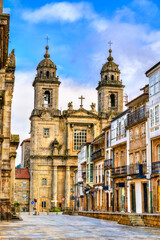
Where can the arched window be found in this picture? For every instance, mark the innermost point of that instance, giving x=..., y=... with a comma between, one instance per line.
x=47, y=98
x=53, y=74
x=47, y=74
x=40, y=73
x=112, y=77
x=106, y=77
x=113, y=100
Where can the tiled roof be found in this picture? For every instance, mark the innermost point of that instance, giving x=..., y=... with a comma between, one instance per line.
x=26, y=140
x=21, y=173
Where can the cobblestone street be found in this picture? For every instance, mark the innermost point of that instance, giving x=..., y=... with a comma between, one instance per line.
x=72, y=227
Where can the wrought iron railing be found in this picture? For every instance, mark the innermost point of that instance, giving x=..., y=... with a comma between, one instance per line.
x=98, y=154
x=128, y=170
x=108, y=163
x=138, y=115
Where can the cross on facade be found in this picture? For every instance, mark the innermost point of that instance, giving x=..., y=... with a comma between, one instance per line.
x=81, y=98
x=110, y=43
x=47, y=38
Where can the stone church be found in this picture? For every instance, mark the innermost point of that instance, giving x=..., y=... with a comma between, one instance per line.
x=8, y=142
x=56, y=137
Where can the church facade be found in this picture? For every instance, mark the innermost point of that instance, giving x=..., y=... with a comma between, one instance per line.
x=56, y=137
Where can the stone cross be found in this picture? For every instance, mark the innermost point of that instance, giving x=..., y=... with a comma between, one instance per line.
x=110, y=43
x=81, y=98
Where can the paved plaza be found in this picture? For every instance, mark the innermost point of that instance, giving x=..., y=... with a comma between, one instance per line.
x=72, y=227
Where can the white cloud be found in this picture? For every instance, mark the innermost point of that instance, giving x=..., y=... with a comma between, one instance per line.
x=66, y=12
x=62, y=11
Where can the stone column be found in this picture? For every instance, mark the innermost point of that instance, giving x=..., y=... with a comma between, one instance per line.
x=55, y=186
x=12, y=187
x=67, y=187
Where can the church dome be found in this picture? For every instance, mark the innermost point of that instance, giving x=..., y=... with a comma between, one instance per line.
x=46, y=63
x=110, y=65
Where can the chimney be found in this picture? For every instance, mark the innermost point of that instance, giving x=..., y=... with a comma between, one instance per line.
x=1, y=6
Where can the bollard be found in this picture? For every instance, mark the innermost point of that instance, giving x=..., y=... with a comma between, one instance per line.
x=47, y=213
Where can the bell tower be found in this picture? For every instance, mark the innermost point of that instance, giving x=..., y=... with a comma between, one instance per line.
x=110, y=89
x=46, y=85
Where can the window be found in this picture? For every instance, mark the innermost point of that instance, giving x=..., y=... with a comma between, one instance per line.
x=106, y=77
x=131, y=134
x=143, y=128
x=112, y=77
x=44, y=181
x=131, y=158
x=47, y=98
x=24, y=197
x=157, y=115
x=113, y=100
x=154, y=116
x=46, y=132
x=24, y=184
x=47, y=74
x=80, y=137
x=137, y=157
x=137, y=132
x=43, y=204
x=144, y=156
x=154, y=83
x=91, y=173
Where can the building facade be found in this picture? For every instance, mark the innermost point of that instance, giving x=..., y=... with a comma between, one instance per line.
x=8, y=142
x=154, y=135
x=56, y=137
x=22, y=189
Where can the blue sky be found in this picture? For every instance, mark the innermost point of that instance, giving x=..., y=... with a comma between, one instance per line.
x=79, y=32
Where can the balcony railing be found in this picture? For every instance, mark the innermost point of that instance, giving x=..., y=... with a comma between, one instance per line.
x=108, y=164
x=98, y=154
x=129, y=170
x=156, y=167
x=137, y=116
x=84, y=175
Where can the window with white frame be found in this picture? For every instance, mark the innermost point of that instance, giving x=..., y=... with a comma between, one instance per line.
x=24, y=184
x=154, y=116
x=154, y=83
x=157, y=115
